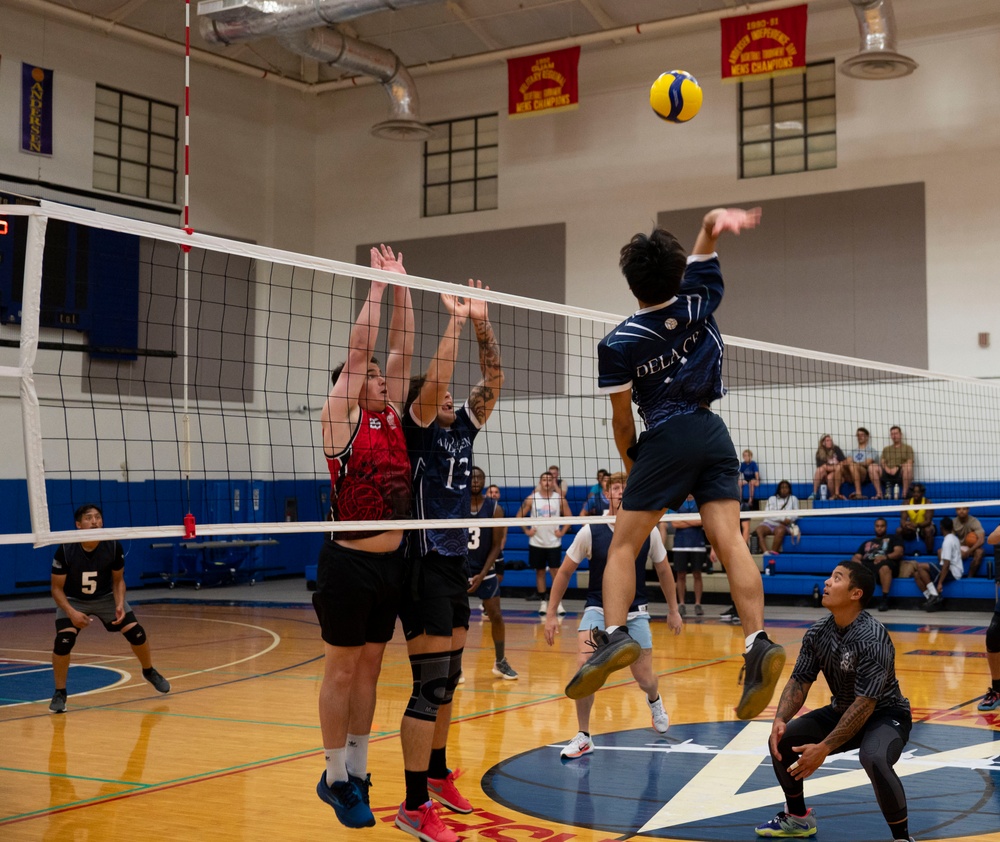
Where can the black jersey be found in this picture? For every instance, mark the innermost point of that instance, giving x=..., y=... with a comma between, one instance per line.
x=481, y=539
x=859, y=660
x=88, y=573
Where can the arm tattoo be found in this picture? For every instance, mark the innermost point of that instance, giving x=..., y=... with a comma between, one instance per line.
x=851, y=722
x=792, y=699
x=489, y=350
x=480, y=398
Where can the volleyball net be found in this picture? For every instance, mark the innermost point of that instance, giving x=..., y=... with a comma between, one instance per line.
x=159, y=373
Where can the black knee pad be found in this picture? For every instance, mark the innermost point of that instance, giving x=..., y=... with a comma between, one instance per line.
x=65, y=637
x=454, y=673
x=135, y=635
x=430, y=685
x=993, y=634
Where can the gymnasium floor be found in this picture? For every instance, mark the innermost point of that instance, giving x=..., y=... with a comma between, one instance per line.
x=234, y=751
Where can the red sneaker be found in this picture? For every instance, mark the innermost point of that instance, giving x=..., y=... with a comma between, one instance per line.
x=443, y=790
x=424, y=823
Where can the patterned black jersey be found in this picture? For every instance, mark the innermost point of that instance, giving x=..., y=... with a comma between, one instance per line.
x=441, y=460
x=859, y=660
x=88, y=573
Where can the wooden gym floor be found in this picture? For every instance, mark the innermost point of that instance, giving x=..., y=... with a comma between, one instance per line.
x=233, y=752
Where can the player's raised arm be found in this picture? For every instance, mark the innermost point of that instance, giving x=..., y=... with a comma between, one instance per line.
x=484, y=394
x=401, y=330
x=723, y=219
x=439, y=373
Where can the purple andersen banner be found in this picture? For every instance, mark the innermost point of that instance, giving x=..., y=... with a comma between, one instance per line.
x=36, y=109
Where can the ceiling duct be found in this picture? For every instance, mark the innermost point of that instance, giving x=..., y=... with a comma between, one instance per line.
x=878, y=58
x=304, y=27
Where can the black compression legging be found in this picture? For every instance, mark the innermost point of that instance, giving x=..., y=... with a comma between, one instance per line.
x=881, y=743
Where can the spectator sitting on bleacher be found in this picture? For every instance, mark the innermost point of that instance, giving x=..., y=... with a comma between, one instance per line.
x=895, y=467
x=855, y=469
x=972, y=549
x=781, y=503
x=931, y=578
x=914, y=522
x=829, y=458
x=749, y=476
x=882, y=555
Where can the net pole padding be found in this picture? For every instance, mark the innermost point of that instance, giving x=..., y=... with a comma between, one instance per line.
x=31, y=421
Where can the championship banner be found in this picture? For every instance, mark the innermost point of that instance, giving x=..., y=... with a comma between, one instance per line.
x=542, y=83
x=757, y=46
x=36, y=109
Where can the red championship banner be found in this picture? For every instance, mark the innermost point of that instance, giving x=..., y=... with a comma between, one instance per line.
x=543, y=83
x=757, y=46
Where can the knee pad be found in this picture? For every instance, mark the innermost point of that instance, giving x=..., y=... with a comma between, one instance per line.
x=430, y=685
x=135, y=635
x=993, y=635
x=65, y=638
x=454, y=673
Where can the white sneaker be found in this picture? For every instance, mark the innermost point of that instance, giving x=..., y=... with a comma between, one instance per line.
x=543, y=606
x=580, y=745
x=501, y=669
x=661, y=720
x=561, y=609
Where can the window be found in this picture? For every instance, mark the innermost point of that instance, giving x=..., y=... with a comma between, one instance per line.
x=789, y=123
x=460, y=166
x=135, y=145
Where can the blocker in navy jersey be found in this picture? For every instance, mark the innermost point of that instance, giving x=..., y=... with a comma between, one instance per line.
x=441, y=460
x=670, y=354
x=857, y=661
x=600, y=537
x=481, y=539
x=88, y=572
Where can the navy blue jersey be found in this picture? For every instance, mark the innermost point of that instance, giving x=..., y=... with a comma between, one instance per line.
x=670, y=354
x=441, y=461
x=600, y=543
x=481, y=538
x=689, y=537
x=88, y=572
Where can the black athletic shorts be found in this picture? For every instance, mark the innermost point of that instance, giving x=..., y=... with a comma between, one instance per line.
x=436, y=596
x=686, y=454
x=357, y=594
x=541, y=557
x=689, y=560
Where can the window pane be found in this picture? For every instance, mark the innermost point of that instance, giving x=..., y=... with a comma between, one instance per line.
x=134, y=146
x=437, y=169
x=757, y=124
x=437, y=200
x=822, y=71
x=135, y=112
x=486, y=194
x=754, y=99
x=755, y=169
x=463, y=134
x=486, y=162
x=757, y=152
x=789, y=156
x=103, y=146
x=789, y=120
x=462, y=197
x=105, y=166
x=488, y=132
x=105, y=181
x=162, y=194
x=823, y=160
x=463, y=165
x=105, y=96
x=788, y=88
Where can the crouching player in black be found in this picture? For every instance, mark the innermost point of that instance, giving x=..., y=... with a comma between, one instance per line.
x=88, y=579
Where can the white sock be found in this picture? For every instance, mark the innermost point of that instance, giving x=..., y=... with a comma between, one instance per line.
x=751, y=638
x=336, y=765
x=610, y=629
x=931, y=590
x=357, y=755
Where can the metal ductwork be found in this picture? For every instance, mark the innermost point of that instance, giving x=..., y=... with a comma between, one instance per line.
x=878, y=58
x=304, y=27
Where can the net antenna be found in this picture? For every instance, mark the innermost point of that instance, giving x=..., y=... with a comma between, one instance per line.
x=189, y=519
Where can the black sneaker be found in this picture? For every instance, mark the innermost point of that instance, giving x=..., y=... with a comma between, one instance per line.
x=935, y=603
x=762, y=667
x=58, y=703
x=730, y=615
x=611, y=653
x=884, y=604
x=157, y=680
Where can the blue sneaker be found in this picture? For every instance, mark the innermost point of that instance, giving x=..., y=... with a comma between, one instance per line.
x=347, y=801
x=784, y=825
x=363, y=784
x=991, y=701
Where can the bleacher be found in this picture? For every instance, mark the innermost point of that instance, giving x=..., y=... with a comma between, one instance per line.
x=825, y=541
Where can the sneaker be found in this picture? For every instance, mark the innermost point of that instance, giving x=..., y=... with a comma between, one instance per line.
x=580, y=745
x=661, y=721
x=935, y=603
x=501, y=669
x=561, y=610
x=58, y=703
x=363, y=784
x=727, y=615
x=347, y=801
x=991, y=701
x=762, y=667
x=543, y=607
x=535, y=596
x=424, y=823
x=611, y=653
x=157, y=680
x=785, y=825
x=443, y=790
x=698, y=610
x=883, y=604
x=461, y=677
x=683, y=609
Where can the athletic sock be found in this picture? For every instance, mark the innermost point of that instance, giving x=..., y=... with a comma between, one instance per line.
x=498, y=646
x=996, y=685
x=336, y=764
x=931, y=589
x=357, y=755
x=751, y=638
x=438, y=767
x=796, y=804
x=416, y=789
x=900, y=830
x=611, y=630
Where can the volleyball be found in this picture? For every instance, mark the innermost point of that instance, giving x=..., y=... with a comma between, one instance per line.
x=675, y=96
x=970, y=539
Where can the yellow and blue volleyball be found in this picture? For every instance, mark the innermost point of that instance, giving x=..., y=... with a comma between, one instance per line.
x=675, y=96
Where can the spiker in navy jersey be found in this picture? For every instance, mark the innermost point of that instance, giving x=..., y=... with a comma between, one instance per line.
x=442, y=462
x=670, y=354
x=88, y=572
x=481, y=539
x=370, y=478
